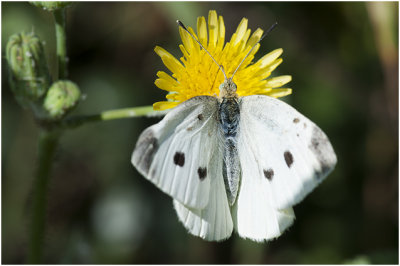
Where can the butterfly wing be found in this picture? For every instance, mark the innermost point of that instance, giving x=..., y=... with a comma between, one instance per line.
x=283, y=156
x=257, y=220
x=214, y=222
x=175, y=154
x=254, y=215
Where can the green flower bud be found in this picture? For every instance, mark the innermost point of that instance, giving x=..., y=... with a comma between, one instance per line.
x=29, y=75
x=51, y=5
x=62, y=97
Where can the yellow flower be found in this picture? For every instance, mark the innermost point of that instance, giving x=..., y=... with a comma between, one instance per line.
x=197, y=74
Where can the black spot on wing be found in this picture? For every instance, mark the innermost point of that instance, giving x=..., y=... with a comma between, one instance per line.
x=200, y=117
x=323, y=151
x=202, y=171
x=179, y=158
x=320, y=174
x=296, y=120
x=145, y=149
x=269, y=174
x=288, y=158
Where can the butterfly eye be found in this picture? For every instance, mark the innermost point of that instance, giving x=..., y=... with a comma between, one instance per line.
x=233, y=87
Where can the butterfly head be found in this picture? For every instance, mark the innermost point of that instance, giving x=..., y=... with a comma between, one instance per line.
x=227, y=89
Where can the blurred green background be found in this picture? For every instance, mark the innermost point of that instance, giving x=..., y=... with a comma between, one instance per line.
x=343, y=58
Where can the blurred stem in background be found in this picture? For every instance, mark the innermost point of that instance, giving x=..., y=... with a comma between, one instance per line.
x=46, y=147
x=59, y=17
x=383, y=20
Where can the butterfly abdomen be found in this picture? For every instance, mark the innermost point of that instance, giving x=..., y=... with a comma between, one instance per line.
x=229, y=116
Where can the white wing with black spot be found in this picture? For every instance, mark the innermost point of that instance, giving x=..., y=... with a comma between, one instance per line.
x=283, y=156
x=175, y=154
x=214, y=222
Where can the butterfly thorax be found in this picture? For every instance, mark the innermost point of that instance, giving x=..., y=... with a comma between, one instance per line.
x=229, y=116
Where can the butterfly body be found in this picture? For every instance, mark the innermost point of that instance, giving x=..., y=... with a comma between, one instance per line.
x=229, y=117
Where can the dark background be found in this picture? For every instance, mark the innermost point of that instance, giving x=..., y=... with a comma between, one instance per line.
x=343, y=58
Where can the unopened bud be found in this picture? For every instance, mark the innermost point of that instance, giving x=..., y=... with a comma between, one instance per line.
x=51, y=5
x=62, y=97
x=29, y=75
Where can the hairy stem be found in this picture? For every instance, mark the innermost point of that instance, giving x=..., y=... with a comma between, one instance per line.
x=59, y=16
x=46, y=148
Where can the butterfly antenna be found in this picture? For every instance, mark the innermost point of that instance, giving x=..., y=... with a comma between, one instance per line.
x=262, y=37
x=194, y=38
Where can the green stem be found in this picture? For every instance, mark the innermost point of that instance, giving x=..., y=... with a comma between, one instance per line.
x=126, y=113
x=76, y=121
x=59, y=16
x=46, y=147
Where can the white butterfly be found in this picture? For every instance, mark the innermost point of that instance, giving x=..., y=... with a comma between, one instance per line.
x=234, y=163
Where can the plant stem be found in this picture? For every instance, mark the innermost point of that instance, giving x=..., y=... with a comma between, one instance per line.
x=59, y=16
x=46, y=148
x=76, y=121
x=126, y=112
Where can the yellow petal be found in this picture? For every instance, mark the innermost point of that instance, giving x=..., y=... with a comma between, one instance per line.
x=196, y=46
x=275, y=64
x=212, y=29
x=241, y=30
x=270, y=68
x=247, y=68
x=184, y=52
x=172, y=96
x=160, y=106
x=276, y=93
x=243, y=42
x=187, y=40
x=202, y=30
x=255, y=37
x=278, y=81
x=221, y=32
x=270, y=57
x=163, y=75
x=164, y=85
x=169, y=61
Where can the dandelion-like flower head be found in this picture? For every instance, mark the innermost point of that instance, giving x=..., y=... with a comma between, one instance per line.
x=197, y=74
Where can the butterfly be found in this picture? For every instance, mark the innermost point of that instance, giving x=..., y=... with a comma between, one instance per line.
x=234, y=163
